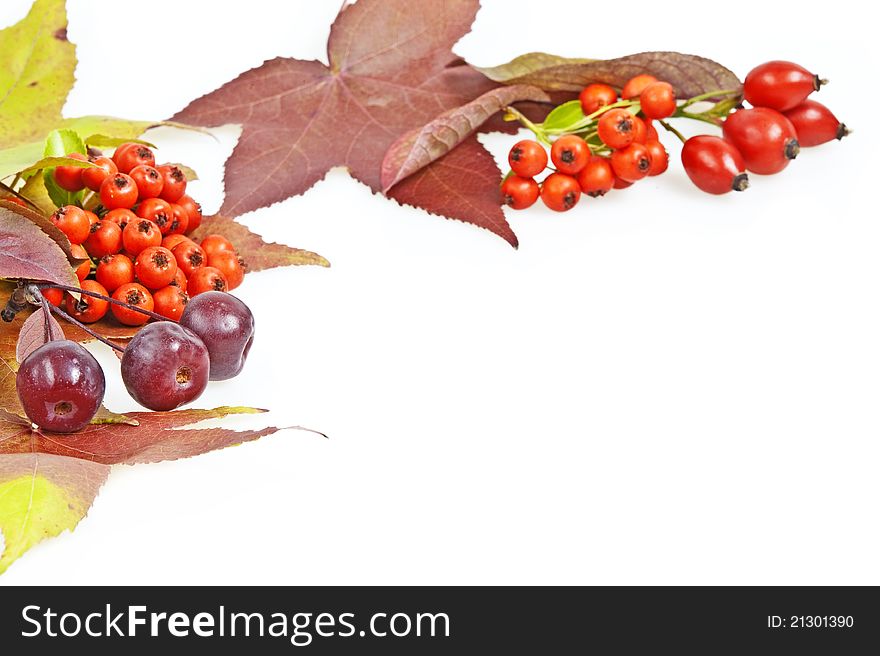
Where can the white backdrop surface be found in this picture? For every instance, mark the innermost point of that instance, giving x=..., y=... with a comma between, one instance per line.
x=658, y=387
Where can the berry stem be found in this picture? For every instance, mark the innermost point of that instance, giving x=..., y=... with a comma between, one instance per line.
x=61, y=313
x=671, y=129
x=135, y=308
x=522, y=118
x=705, y=118
x=709, y=96
x=47, y=330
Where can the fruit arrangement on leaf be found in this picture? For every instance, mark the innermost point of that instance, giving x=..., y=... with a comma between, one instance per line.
x=612, y=141
x=138, y=265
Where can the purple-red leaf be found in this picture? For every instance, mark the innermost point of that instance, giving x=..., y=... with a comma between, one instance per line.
x=418, y=148
x=26, y=251
x=690, y=75
x=461, y=185
x=40, y=327
x=156, y=437
x=391, y=70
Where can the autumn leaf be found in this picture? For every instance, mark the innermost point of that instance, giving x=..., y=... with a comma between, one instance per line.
x=41, y=496
x=40, y=327
x=256, y=253
x=690, y=75
x=420, y=147
x=390, y=70
x=157, y=437
x=46, y=226
x=28, y=252
x=37, y=73
x=461, y=185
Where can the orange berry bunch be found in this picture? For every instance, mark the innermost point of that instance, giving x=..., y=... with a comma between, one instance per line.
x=134, y=245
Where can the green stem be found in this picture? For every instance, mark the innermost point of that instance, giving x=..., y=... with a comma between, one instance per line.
x=671, y=129
x=709, y=95
x=705, y=118
x=522, y=118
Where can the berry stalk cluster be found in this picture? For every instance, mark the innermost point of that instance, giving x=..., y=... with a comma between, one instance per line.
x=612, y=141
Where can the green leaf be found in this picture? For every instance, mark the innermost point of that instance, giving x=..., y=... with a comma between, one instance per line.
x=42, y=496
x=53, y=162
x=564, y=116
x=36, y=74
x=63, y=142
x=103, y=141
x=35, y=191
x=60, y=197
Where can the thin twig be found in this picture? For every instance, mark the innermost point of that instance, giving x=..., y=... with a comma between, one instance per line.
x=61, y=313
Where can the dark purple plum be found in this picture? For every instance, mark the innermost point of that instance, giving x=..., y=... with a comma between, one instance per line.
x=226, y=326
x=165, y=366
x=60, y=386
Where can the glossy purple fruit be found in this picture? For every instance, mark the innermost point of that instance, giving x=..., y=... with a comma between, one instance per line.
x=226, y=325
x=60, y=386
x=165, y=366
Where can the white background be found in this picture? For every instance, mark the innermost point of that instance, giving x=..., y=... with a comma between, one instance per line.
x=658, y=387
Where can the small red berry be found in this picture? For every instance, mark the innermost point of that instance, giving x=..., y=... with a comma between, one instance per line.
x=179, y=279
x=650, y=131
x=635, y=85
x=118, y=191
x=121, y=217
x=159, y=212
x=640, y=130
x=69, y=178
x=180, y=219
x=88, y=309
x=631, y=163
x=148, y=180
x=570, y=153
x=73, y=222
x=560, y=192
x=174, y=182
x=765, y=138
x=155, y=267
x=597, y=177
x=54, y=295
x=658, y=100
x=170, y=302
x=173, y=240
x=93, y=218
x=615, y=128
x=133, y=294
x=815, y=124
x=595, y=96
x=621, y=184
x=206, y=279
x=103, y=168
x=193, y=211
x=130, y=155
x=105, y=238
x=659, y=157
x=714, y=164
x=516, y=192
x=779, y=85
x=190, y=257
x=114, y=271
x=230, y=265
x=215, y=243
x=527, y=158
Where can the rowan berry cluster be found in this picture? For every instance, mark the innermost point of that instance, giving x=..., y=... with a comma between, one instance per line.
x=614, y=142
x=134, y=244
